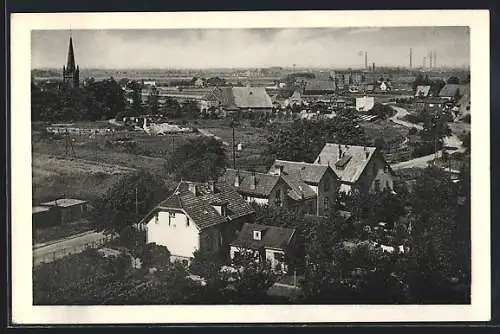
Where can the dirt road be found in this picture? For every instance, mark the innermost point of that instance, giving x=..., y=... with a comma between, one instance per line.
x=67, y=246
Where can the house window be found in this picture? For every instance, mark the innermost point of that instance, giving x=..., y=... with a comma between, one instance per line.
x=326, y=186
x=170, y=216
x=257, y=235
x=386, y=168
x=377, y=185
x=278, y=198
x=325, y=204
x=387, y=185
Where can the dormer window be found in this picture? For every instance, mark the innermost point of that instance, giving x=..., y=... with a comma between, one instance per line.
x=257, y=235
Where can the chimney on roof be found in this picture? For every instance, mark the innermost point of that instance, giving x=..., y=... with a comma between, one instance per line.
x=253, y=181
x=319, y=159
x=193, y=188
x=340, y=151
x=279, y=169
x=237, y=179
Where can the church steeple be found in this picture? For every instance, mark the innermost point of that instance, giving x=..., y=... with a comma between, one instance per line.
x=70, y=65
x=71, y=72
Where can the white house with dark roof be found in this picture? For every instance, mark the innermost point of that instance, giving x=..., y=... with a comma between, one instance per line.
x=197, y=216
x=320, y=178
x=361, y=167
x=268, y=244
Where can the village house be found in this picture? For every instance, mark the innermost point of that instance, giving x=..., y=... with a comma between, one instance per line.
x=232, y=99
x=267, y=244
x=318, y=87
x=321, y=179
x=452, y=91
x=365, y=103
x=422, y=91
x=197, y=216
x=278, y=190
x=358, y=167
x=431, y=104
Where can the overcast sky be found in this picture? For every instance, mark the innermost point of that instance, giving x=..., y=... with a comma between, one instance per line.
x=205, y=48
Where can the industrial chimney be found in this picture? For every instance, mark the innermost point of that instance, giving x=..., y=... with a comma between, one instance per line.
x=411, y=54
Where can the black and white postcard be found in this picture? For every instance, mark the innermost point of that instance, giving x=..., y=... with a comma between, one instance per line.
x=236, y=167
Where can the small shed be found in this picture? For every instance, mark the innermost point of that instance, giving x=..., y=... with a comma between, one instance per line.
x=43, y=216
x=69, y=209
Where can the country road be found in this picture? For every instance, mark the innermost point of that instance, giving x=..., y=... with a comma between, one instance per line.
x=452, y=142
x=67, y=246
x=401, y=112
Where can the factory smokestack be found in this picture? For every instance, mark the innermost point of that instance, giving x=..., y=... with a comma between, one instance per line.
x=411, y=53
x=424, y=63
x=366, y=60
x=435, y=62
x=430, y=60
x=373, y=67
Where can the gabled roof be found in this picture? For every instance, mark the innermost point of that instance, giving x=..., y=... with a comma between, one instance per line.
x=359, y=156
x=272, y=237
x=240, y=97
x=64, y=202
x=449, y=90
x=264, y=183
x=299, y=190
x=307, y=172
x=422, y=90
x=251, y=97
x=200, y=208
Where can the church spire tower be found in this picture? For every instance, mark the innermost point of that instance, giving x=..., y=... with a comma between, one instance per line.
x=71, y=72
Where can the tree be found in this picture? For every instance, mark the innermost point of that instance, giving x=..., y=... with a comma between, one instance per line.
x=117, y=209
x=198, y=159
x=303, y=139
x=136, y=96
x=383, y=111
x=435, y=128
x=153, y=101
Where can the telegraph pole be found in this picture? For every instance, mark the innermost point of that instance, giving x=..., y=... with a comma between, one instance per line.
x=234, y=153
x=136, y=203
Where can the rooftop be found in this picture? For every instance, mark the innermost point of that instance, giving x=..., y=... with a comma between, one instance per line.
x=307, y=172
x=251, y=183
x=271, y=237
x=349, y=161
x=64, y=202
x=38, y=209
x=197, y=201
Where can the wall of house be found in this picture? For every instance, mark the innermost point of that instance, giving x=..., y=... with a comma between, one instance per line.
x=174, y=233
x=329, y=192
x=273, y=256
x=74, y=212
x=376, y=171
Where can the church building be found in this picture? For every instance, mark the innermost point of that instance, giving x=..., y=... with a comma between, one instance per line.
x=71, y=72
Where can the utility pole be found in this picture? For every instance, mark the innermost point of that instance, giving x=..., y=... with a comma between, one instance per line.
x=136, y=203
x=234, y=153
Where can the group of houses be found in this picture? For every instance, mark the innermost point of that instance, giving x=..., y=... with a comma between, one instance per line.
x=454, y=97
x=218, y=216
